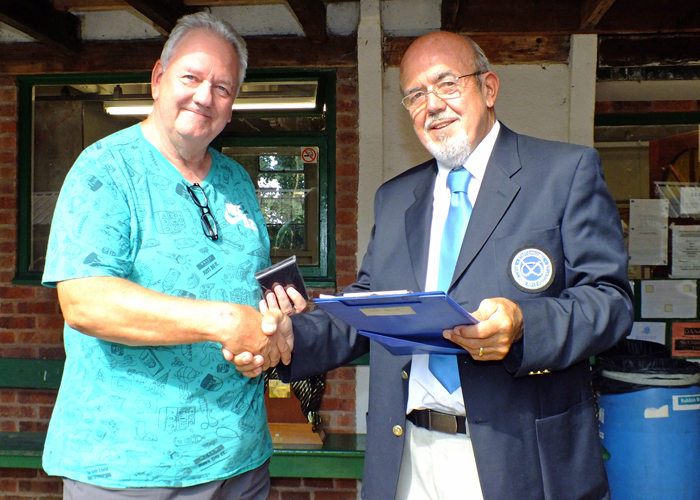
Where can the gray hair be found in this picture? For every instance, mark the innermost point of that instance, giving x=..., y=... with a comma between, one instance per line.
x=481, y=62
x=207, y=22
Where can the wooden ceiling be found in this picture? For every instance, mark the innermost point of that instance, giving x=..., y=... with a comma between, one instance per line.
x=57, y=28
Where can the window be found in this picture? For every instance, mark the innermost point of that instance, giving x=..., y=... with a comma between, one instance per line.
x=281, y=132
x=649, y=155
x=287, y=181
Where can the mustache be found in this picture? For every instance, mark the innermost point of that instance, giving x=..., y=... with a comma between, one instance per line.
x=442, y=115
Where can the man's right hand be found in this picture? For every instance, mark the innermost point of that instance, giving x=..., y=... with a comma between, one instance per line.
x=278, y=327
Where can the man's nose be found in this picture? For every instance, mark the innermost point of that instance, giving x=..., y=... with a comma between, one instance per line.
x=433, y=102
x=203, y=94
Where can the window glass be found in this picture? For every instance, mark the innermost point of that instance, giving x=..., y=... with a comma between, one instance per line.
x=66, y=119
x=287, y=182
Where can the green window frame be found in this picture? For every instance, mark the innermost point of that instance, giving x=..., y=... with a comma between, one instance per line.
x=321, y=274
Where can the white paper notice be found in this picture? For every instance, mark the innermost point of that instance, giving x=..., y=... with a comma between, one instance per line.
x=648, y=241
x=646, y=330
x=685, y=251
x=690, y=200
x=669, y=298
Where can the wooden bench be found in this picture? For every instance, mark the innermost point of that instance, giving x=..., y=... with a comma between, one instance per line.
x=341, y=457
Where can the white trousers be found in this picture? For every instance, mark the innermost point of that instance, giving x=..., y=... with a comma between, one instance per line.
x=437, y=466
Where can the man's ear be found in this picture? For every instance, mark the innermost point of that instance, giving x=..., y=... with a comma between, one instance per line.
x=489, y=88
x=156, y=77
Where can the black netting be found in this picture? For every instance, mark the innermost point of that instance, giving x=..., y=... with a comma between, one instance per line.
x=634, y=365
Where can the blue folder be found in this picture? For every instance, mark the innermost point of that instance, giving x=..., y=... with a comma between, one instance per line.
x=404, y=323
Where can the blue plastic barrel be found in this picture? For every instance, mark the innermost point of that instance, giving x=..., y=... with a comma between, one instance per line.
x=653, y=436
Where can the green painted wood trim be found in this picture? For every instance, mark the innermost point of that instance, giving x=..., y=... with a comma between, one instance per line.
x=342, y=456
x=46, y=373
x=317, y=467
x=21, y=449
x=31, y=373
x=17, y=462
x=361, y=361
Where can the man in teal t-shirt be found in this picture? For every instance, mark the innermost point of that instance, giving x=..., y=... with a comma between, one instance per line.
x=153, y=248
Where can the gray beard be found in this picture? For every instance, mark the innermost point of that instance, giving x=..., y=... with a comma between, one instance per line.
x=451, y=152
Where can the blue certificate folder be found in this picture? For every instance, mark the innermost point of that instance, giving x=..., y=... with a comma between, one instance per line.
x=404, y=323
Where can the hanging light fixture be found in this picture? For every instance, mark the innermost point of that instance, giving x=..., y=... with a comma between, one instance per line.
x=255, y=96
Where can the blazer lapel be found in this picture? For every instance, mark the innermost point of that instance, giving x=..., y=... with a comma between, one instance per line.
x=495, y=196
x=417, y=222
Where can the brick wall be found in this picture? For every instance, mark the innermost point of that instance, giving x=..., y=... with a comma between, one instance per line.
x=31, y=324
x=8, y=185
x=347, y=174
x=313, y=489
x=24, y=484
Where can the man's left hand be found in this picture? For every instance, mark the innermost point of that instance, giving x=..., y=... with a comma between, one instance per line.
x=500, y=324
x=288, y=300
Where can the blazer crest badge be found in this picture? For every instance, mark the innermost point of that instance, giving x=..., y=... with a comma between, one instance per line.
x=531, y=270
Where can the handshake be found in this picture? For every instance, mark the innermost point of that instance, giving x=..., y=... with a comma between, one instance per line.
x=252, y=353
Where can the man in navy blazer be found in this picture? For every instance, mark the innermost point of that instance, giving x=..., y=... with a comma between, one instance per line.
x=542, y=264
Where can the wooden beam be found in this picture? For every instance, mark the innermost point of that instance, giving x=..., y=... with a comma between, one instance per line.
x=448, y=14
x=229, y=3
x=120, y=56
x=89, y=5
x=162, y=13
x=41, y=21
x=648, y=50
x=500, y=49
x=311, y=15
x=592, y=11
x=298, y=52
x=635, y=17
x=576, y=16
x=116, y=4
x=94, y=57
x=518, y=16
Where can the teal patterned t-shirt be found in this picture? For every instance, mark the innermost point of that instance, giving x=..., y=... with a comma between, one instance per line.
x=155, y=416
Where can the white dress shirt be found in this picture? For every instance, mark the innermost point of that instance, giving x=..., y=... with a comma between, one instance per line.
x=424, y=390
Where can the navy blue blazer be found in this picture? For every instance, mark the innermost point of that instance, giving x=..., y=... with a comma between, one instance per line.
x=531, y=416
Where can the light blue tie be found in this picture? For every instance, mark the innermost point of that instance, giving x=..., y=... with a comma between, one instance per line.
x=444, y=366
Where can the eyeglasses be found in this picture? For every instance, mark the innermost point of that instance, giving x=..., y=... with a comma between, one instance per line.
x=446, y=89
x=208, y=221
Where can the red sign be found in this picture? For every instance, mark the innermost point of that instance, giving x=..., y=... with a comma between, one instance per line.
x=686, y=340
x=308, y=155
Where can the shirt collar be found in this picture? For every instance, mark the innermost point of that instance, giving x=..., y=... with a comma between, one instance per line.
x=479, y=158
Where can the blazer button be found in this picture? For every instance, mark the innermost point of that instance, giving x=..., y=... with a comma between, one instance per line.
x=404, y=374
x=397, y=430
